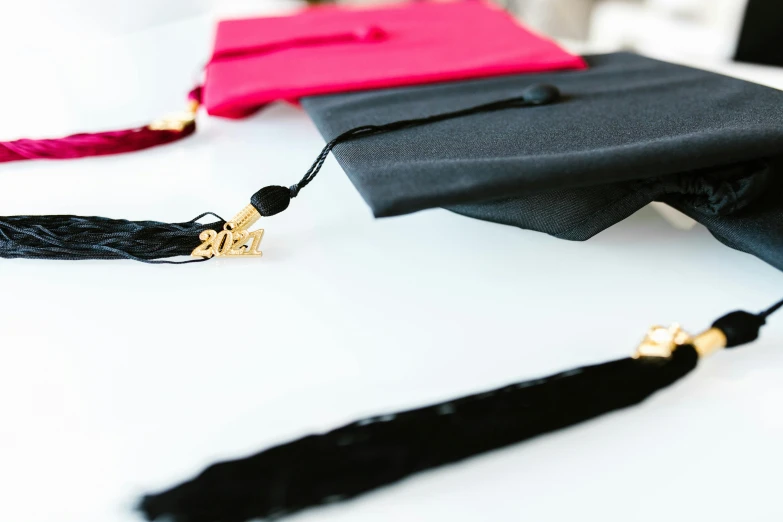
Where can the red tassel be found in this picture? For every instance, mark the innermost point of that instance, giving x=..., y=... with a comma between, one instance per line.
x=82, y=145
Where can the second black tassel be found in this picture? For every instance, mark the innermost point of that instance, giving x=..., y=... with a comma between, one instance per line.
x=377, y=451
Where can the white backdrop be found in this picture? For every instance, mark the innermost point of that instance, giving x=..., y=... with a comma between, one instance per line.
x=115, y=377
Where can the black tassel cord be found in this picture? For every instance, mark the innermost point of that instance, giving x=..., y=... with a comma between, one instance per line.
x=78, y=237
x=377, y=451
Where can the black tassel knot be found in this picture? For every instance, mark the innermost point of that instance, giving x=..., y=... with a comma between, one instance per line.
x=272, y=200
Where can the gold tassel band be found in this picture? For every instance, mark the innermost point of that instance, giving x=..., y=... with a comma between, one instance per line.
x=246, y=218
x=709, y=342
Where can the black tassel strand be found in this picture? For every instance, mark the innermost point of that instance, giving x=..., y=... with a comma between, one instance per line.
x=80, y=238
x=378, y=451
x=83, y=237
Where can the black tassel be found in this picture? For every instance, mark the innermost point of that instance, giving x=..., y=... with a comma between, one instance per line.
x=373, y=452
x=80, y=237
x=377, y=451
x=75, y=237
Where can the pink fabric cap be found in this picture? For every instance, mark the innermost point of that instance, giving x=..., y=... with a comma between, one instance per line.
x=338, y=49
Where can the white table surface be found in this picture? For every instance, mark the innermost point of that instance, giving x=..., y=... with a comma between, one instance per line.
x=117, y=378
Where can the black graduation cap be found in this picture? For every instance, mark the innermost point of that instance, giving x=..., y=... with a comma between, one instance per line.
x=628, y=131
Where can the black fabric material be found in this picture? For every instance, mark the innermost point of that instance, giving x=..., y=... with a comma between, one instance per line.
x=756, y=229
x=759, y=40
x=76, y=238
x=741, y=205
x=374, y=452
x=628, y=131
x=271, y=200
x=274, y=198
x=740, y=327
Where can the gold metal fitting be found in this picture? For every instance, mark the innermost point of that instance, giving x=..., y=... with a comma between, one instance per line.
x=177, y=121
x=173, y=122
x=661, y=341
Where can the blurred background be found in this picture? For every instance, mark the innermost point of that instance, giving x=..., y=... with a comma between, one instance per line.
x=87, y=62
x=709, y=29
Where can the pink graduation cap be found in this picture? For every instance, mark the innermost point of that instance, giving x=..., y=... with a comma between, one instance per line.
x=328, y=50
x=338, y=49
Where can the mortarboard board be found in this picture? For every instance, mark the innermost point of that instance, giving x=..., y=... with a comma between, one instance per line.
x=628, y=131
x=342, y=49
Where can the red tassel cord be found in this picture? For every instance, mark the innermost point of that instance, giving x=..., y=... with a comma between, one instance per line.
x=167, y=130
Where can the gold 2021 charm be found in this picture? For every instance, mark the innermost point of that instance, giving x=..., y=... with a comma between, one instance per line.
x=234, y=240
